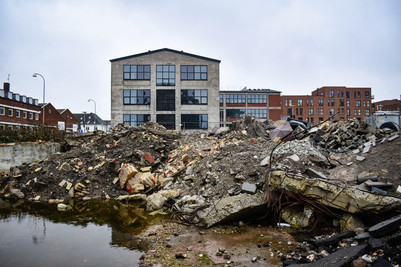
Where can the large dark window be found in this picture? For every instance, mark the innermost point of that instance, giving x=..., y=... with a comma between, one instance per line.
x=193, y=72
x=136, y=97
x=136, y=72
x=165, y=100
x=165, y=75
x=194, y=97
x=321, y=102
x=235, y=98
x=135, y=119
x=257, y=99
x=257, y=113
x=235, y=113
x=194, y=121
x=167, y=120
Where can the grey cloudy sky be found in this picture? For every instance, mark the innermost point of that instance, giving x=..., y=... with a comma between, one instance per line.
x=293, y=46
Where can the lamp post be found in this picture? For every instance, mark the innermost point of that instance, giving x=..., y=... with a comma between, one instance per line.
x=93, y=102
x=84, y=112
x=44, y=86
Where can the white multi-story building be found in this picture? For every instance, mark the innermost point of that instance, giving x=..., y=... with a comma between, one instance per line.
x=173, y=88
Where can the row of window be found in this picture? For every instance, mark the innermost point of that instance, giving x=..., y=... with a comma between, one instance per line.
x=319, y=111
x=243, y=98
x=330, y=102
x=142, y=97
x=239, y=113
x=165, y=74
x=188, y=121
x=340, y=93
x=17, y=113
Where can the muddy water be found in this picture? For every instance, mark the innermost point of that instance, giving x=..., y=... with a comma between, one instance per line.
x=91, y=233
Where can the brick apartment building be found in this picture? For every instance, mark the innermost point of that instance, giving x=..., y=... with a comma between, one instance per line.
x=71, y=122
x=349, y=102
x=259, y=103
x=387, y=105
x=18, y=111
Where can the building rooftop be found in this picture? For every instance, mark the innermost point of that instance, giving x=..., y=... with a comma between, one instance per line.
x=161, y=50
x=88, y=118
x=250, y=91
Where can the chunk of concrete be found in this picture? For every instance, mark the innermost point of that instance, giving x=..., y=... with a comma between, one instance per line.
x=359, y=158
x=265, y=161
x=393, y=137
x=127, y=171
x=248, y=188
x=232, y=208
x=334, y=195
x=350, y=222
x=298, y=217
x=386, y=227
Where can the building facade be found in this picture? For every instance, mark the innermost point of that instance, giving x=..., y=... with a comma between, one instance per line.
x=90, y=122
x=71, y=122
x=173, y=88
x=387, y=105
x=18, y=112
x=324, y=102
x=259, y=103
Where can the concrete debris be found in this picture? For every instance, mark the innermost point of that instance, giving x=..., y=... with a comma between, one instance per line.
x=338, y=196
x=231, y=208
x=229, y=175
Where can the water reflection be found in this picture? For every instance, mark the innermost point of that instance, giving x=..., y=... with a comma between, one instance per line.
x=95, y=232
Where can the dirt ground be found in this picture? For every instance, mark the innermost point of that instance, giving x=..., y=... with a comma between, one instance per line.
x=175, y=245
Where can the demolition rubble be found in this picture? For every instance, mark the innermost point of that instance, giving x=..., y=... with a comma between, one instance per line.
x=344, y=173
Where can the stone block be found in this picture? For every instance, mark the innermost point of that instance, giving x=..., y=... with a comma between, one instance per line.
x=248, y=188
x=375, y=243
x=386, y=227
x=359, y=158
x=366, y=149
x=127, y=171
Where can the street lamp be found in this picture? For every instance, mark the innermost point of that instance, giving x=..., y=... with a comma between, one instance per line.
x=89, y=100
x=44, y=86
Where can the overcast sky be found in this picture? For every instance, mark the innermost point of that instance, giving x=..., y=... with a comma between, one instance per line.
x=290, y=46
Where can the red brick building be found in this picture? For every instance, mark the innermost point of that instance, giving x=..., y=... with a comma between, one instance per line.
x=349, y=102
x=387, y=105
x=71, y=122
x=259, y=103
x=52, y=117
x=18, y=111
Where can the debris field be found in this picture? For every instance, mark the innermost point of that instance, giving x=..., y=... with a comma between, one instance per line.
x=346, y=174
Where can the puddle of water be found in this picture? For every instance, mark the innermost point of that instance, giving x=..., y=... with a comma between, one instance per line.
x=92, y=233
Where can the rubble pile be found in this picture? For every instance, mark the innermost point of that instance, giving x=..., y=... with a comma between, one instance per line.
x=343, y=136
x=212, y=178
x=91, y=169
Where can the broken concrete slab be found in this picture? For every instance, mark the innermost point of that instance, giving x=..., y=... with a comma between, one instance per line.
x=393, y=137
x=333, y=240
x=315, y=174
x=340, y=258
x=386, y=227
x=334, y=195
x=232, y=208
